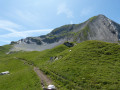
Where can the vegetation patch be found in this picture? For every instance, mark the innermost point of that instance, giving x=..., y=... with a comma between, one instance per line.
x=82, y=34
x=92, y=18
x=21, y=77
x=88, y=65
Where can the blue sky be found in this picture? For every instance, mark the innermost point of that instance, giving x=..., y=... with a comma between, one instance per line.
x=25, y=18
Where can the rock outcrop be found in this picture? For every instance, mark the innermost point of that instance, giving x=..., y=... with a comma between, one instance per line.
x=96, y=28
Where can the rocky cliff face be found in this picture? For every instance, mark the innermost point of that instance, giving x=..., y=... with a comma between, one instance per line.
x=103, y=29
x=96, y=28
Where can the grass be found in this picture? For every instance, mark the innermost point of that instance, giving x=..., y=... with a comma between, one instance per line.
x=39, y=58
x=4, y=49
x=90, y=65
x=82, y=34
x=92, y=18
x=68, y=31
x=22, y=76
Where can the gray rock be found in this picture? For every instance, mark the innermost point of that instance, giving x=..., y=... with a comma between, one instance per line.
x=96, y=28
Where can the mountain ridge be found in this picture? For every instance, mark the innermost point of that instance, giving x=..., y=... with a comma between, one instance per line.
x=96, y=28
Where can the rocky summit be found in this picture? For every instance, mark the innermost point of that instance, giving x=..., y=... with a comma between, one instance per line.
x=96, y=28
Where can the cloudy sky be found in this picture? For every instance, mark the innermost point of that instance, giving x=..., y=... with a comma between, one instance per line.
x=25, y=18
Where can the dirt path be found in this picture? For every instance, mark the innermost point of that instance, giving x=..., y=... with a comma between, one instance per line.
x=44, y=79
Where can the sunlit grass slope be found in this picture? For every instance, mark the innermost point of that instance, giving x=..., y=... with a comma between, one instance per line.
x=89, y=65
x=21, y=77
x=4, y=49
x=40, y=58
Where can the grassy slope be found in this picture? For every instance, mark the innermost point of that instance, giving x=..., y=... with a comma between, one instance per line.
x=21, y=75
x=40, y=58
x=4, y=49
x=90, y=65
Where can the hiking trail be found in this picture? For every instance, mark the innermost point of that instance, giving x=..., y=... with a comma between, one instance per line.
x=45, y=81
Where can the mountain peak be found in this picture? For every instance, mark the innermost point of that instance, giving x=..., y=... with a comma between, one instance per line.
x=96, y=28
x=101, y=15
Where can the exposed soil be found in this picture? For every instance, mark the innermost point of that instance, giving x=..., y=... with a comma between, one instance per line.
x=44, y=79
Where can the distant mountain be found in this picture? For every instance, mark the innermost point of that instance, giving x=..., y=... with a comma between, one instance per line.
x=96, y=28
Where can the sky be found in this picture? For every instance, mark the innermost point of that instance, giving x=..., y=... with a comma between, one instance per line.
x=29, y=18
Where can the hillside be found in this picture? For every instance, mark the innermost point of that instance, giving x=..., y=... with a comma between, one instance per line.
x=96, y=28
x=92, y=63
x=21, y=74
x=4, y=49
x=87, y=65
x=21, y=77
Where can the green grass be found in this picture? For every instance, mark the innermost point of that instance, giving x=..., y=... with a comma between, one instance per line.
x=91, y=65
x=82, y=34
x=92, y=18
x=4, y=49
x=39, y=58
x=21, y=77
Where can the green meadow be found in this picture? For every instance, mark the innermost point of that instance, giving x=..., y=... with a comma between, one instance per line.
x=21, y=77
x=90, y=65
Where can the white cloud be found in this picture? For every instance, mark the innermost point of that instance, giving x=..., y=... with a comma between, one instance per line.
x=27, y=15
x=6, y=41
x=24, y=34
x=63, y=9
x=86, y=11
x=14, y=33
x=8, y=25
